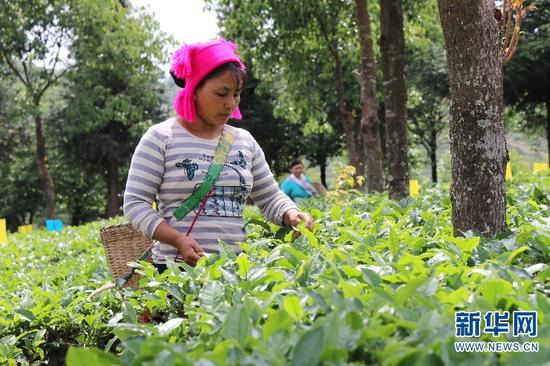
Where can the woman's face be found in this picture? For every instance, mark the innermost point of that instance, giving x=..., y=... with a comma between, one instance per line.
x=217, y=99
x=297, y=170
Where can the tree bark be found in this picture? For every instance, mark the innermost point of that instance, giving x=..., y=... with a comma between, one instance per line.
x=478, y=143
x=392, y=48
x=323, y=169
x=43, y=171
x=369, y=114
x=433, y=153
x=112, y=188
x=76, y=217
x=382, y=130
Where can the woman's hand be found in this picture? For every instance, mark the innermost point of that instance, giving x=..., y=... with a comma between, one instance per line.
x=188, y=249
x=293, y=217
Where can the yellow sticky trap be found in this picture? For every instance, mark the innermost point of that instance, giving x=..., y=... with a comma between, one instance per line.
x=24, y=229
x=3, y=232
x=508, y=171
x=539, y=167
x=414, y=187
x=154, y=205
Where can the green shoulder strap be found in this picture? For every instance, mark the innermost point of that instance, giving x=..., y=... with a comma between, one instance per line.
x=214, y=170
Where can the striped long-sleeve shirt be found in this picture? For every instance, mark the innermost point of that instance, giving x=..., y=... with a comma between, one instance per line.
x=170, y=163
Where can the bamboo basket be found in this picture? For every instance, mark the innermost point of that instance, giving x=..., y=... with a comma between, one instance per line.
x=124, y=244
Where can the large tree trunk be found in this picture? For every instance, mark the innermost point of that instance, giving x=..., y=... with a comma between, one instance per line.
x=369, y=113
x=112, y=188
x=392, y=48
x=478, y=144
x=433, y=153
x=47, y=182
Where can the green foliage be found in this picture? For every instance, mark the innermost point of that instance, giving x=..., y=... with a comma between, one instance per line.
x=377, y=282
x=115, y=86
x=111, y=93
x=43, y=304
x=527, y=75
x=292, y=47
x=20, y=192
x=33, y=33
x=427, y=80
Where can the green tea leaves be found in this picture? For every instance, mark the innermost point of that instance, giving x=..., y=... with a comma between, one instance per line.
x=293, y=307
x=309, y=348
x=237, y=325
x=91, y=357
x=375, y=282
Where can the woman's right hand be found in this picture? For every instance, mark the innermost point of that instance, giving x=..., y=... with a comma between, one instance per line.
x=188, y=249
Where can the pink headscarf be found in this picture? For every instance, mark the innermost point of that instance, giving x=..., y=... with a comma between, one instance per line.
x=192, y=63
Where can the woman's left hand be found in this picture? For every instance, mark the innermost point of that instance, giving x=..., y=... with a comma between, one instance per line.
x=293, y=217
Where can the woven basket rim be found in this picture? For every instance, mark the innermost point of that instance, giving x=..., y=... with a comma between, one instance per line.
x=122, y=244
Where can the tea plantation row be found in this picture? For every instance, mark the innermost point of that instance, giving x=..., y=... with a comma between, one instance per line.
x=377, y=282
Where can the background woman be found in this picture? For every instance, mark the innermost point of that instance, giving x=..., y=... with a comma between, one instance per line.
x=297, y=185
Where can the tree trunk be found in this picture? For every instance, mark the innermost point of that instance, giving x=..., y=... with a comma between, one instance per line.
x=360, y=157
x=76, y=217
x=433, y=153
x=382, y=130
x=322, y=159
x=369, y=113
x=478, y=143
x=351, y=128
x=323, y=169
x=47, y=182
x=392, y=48
x=112, y=188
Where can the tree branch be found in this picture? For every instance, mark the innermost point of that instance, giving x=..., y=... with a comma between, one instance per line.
x=426, y=146
x=26, y=72
x=13, y=68
x=508, y=19
x=50, y=82
x=56, y=56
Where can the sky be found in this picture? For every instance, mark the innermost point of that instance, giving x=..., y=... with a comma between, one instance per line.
x=186, y=20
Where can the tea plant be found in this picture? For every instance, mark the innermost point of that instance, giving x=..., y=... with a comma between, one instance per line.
x=376, y=282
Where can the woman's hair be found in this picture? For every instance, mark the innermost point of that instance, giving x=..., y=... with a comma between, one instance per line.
x=295, y=162
x=238, y=73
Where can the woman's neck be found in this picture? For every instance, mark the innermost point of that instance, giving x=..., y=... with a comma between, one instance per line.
x=201, y=129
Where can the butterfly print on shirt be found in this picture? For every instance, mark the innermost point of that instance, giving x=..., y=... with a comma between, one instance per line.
x=189, y=167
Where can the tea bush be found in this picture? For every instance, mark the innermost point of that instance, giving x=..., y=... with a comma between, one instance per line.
x=376, y=282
